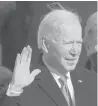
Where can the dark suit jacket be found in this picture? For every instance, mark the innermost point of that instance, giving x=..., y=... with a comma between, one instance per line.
x=45, y=92
x=5, y=78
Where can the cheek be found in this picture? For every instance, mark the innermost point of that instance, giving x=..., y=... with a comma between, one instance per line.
x=63, y=51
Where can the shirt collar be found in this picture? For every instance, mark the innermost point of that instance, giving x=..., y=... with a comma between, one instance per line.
x=58, y=76
x=68, y=75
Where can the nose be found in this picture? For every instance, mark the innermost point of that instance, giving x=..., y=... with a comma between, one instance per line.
x=73, y=52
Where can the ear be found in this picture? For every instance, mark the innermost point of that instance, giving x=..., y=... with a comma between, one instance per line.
x=44, y=45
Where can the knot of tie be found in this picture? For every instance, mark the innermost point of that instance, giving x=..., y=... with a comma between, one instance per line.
x=63, y=82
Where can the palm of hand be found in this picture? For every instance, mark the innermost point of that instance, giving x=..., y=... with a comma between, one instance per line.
x=22, y=76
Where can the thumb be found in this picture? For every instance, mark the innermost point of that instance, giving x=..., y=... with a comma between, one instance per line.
x=34, y=73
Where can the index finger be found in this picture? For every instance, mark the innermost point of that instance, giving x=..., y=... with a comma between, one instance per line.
x=29, y=55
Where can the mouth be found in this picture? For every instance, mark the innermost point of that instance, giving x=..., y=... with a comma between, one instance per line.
x=70, y=59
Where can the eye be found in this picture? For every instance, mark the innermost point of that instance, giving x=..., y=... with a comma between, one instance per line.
x=67, y=42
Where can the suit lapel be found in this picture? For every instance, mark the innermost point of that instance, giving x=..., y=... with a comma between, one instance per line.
x=77, y=77
x=47, y=83
x=78, y=82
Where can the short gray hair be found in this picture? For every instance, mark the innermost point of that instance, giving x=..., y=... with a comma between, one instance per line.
x=91, y=25
x=90, y=39
x=52, y=21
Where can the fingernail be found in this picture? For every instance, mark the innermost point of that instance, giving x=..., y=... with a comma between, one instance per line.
x=28, y=46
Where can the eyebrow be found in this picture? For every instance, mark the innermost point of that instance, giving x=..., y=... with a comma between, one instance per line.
x=72, y=41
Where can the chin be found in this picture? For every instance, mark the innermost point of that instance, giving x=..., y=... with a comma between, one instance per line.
x=70, y=68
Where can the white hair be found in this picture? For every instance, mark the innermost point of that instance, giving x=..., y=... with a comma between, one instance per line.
x=52, y=21
x=91, y=25
x=90, y=39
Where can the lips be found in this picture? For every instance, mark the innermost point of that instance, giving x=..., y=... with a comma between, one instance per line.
x=70, y=59
x=71, y=62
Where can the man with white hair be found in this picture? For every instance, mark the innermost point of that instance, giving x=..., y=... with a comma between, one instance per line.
x=90, y=42
x=60, y=41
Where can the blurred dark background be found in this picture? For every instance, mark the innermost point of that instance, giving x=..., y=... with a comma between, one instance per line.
x=19, y=23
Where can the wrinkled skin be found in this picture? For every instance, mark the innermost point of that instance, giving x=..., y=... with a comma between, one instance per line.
x=63, y=54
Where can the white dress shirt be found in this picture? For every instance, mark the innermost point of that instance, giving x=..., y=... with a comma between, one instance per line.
x=69, y=83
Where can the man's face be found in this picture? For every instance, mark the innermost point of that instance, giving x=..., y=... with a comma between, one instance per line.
x=91, y=41
x=67, y=47
x=91, y=46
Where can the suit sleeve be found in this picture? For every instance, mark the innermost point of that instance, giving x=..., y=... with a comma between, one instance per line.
x=10, y=101
x=5, y=78
x=7, y=100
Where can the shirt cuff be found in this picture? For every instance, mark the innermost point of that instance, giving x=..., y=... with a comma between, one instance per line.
x=12, y=92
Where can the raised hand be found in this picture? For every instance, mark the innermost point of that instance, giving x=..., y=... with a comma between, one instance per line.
x=21, y=75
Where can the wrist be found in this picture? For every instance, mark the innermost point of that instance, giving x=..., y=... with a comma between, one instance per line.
x=15, y=87
x=13, y=91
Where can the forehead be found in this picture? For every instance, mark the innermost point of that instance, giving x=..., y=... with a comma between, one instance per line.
x=70, y=32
